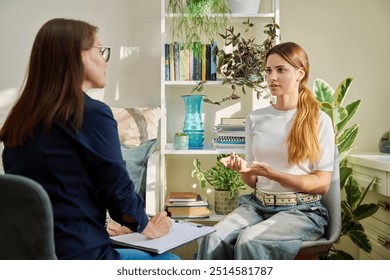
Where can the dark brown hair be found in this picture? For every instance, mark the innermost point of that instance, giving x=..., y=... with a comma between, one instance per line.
x=302, y=140
x=53, y=84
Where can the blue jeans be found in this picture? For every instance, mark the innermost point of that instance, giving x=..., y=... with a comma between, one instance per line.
x=257, y=232
x=133, y=254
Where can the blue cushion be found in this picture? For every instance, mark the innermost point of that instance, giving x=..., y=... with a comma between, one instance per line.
x=136, y=162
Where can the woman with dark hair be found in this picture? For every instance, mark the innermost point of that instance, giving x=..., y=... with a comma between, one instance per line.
x=288, y=162
x=68, y=142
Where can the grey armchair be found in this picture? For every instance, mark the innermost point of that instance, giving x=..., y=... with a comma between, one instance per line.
x=26, y=220
x=312, y=249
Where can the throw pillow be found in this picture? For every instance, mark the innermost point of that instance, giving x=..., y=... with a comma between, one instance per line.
x=137, y=125
x=136, y=162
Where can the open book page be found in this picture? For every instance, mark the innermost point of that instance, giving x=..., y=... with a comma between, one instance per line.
x=181, y=233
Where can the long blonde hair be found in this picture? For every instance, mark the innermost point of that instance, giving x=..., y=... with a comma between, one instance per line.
x=302, y=140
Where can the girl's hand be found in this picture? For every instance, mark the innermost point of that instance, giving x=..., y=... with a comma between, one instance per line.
x=258, y=168
x=234, y=162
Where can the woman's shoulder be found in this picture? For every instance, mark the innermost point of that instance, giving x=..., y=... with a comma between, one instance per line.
x=261, y=111
x=92, y=105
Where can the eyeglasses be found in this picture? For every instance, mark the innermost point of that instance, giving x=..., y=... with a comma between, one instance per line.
x=105, y=51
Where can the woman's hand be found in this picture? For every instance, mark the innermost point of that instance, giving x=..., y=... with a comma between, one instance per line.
x=234, y=162
x=115, y=229
x=159, y=225
x=257, y=168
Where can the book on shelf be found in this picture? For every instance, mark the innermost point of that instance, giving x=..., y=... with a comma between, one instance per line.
x=228, y=146
x=199, y=202
x=167, y=60
x=230, y=127
x=230, y=134
x=197, y=63
x=189, y=212
x=179, y=208
x=213, y=62
x=204, y=63
x=171, y=63
x=182, y=62
x=230, y=140
x=233, y=120
x=182, y=196
x=176, y=61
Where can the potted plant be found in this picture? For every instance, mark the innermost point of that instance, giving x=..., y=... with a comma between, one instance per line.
x=180, y=141
x=352, y=207
x=226, y=183
x=194, y=20
x=244, y=66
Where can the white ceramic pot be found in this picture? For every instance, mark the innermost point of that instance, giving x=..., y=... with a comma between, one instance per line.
x=180, y=142
x=243, y=6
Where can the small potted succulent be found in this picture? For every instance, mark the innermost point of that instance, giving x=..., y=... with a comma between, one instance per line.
x=180, y=141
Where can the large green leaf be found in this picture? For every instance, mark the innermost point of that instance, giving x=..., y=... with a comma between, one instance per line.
x=348, y=224
x=352, y=192
x=342, y=90
x=345, y=172
x=343, y=155
x=346, y=209
x=338, y=115
x=346, y=140
x=351, y=109
x=365, y=210
x=360, y=239
x=323, y=91
x=340, y=255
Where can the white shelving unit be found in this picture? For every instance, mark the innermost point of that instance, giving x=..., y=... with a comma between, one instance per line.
x=172, y=90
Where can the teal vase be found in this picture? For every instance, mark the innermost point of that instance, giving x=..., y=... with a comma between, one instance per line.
x=193, y=124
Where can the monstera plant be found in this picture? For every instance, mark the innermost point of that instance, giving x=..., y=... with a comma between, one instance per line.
x=352, y=207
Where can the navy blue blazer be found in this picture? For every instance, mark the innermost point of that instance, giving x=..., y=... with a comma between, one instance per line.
x=84, y=174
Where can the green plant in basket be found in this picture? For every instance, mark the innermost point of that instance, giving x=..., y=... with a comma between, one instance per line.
x=219, y=177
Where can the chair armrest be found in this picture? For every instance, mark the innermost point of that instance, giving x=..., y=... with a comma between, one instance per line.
x=152, y=194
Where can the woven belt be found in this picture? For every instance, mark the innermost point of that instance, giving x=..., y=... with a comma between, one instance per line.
x=285, y=199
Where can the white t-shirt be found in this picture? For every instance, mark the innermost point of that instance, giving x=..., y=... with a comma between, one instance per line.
x=266, y=133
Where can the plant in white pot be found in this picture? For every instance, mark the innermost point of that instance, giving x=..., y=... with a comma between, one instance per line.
x=226, y=183
x=243, y=6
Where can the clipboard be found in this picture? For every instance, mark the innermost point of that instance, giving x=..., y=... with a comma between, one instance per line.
x=181, y=233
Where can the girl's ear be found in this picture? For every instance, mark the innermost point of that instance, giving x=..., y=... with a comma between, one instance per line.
x=301, y=73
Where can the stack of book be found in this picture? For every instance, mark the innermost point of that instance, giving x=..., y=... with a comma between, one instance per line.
x=185, y=205
x=230, y=134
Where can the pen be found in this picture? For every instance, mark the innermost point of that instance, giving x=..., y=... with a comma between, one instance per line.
x=194, y=224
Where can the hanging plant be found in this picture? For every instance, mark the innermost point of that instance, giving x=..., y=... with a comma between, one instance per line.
x=244, y=66
x=194, y=20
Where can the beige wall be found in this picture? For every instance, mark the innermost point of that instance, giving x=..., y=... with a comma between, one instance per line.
x=342, y=37
x=347, y=38
x=130, y=27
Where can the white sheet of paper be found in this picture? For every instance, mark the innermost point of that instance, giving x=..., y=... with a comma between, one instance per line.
x=180, y=234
